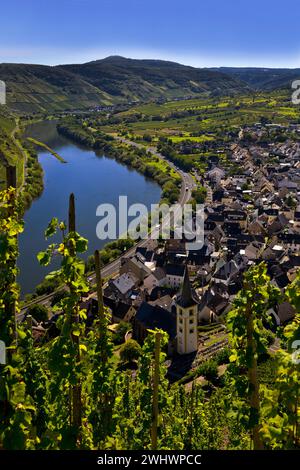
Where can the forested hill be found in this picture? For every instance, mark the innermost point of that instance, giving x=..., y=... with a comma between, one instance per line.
x=262, y=78
x=32, y=88
x=139, y=79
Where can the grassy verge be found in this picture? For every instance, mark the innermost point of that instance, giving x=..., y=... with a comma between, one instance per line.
x=46, y=147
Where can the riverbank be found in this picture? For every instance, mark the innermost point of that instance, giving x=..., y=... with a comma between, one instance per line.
x=145, y=162
x=34, y=180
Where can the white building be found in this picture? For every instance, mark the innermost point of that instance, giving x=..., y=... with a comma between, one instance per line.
x=2, y=92
x=174, y=275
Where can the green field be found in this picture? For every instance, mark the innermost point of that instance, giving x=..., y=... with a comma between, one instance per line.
x=205, y=124
x=194, y=118
x=202, y=138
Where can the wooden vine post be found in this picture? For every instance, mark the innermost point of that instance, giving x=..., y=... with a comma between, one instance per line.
x=252, y=374
x=155, y=410
x=76, y=408
x=99, y=287
x=102, y=326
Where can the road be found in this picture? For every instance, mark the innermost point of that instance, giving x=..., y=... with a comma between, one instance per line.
x=187, y=185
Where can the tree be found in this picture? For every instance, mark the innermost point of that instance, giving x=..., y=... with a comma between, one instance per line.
x=16, y=407
x=245, y=323
x=281, y=409
x=39, y=312
x=147, y=138
x=66, y=374
x=130, y=351
x=199, y=194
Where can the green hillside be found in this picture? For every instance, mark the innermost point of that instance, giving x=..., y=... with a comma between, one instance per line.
x=40, y=88
x=131, y=79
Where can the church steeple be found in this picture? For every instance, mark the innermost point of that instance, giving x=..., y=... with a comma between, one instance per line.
x=186, y=299
x=186, y=318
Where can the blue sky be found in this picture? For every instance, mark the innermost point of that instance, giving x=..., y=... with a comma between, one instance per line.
x=201, y=33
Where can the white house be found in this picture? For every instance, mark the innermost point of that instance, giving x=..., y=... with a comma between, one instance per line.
x=174, y=275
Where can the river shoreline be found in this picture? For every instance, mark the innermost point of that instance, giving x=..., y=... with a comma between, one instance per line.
x=93, y=177
x=113, y=148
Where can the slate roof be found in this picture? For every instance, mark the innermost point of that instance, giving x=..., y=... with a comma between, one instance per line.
x=153, y=316
x=119, y=309
x=186, y=298
x=124, y=283
x=175, y=269
x=227, y=270
x=286, y=312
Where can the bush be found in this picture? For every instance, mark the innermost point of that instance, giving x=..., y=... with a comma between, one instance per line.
x=199, y=194
x=130, y=351
x=223, y=356
x=209, y=370
x=147, y=138
x=38, y=312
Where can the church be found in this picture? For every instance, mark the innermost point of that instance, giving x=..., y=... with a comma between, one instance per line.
x=186, y=318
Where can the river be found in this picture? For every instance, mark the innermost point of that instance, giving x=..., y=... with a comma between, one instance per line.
x=92, y=177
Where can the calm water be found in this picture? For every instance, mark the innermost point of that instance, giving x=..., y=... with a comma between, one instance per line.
x=93, y=178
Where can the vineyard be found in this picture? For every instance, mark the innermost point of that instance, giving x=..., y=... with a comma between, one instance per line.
x=69, y=393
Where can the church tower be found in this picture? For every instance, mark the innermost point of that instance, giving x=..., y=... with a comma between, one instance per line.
x=186, y=318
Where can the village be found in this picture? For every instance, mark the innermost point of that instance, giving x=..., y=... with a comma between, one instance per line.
x=250, y=217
